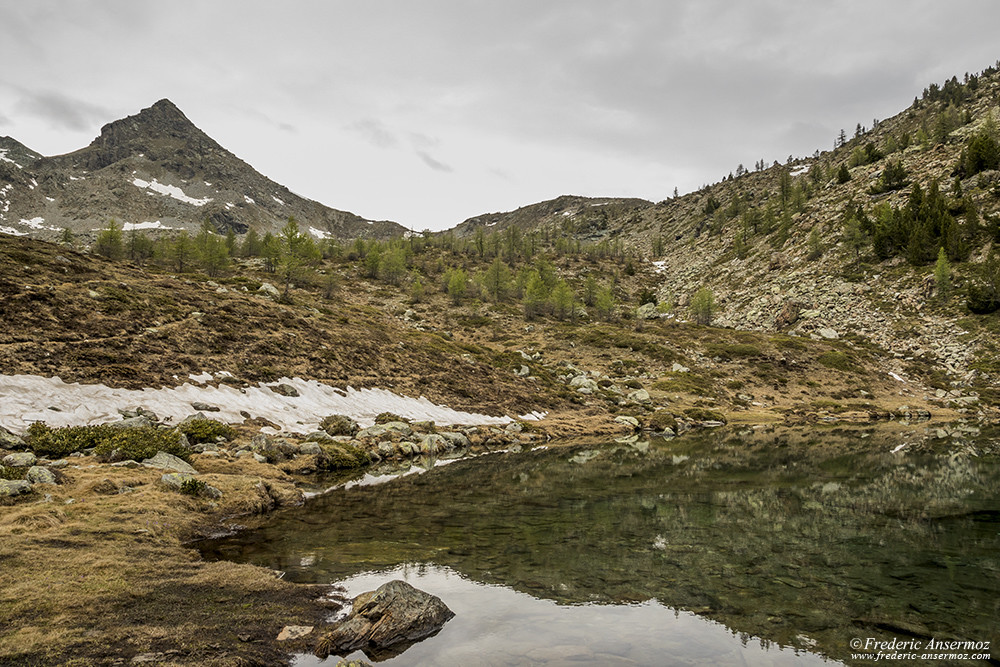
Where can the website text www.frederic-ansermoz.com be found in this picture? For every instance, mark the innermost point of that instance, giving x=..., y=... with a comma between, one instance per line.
x=870, y=648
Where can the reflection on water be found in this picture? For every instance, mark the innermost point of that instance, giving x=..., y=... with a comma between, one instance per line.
x=803, y=538
x=497, y=626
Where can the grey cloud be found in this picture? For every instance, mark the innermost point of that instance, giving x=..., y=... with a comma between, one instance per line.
x=62, y=111
x=375, y=132
x=432, y=163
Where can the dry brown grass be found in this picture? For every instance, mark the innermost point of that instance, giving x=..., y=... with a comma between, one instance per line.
x=108, y=576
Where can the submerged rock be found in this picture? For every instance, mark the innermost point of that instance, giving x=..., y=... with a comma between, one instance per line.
x=394, y=615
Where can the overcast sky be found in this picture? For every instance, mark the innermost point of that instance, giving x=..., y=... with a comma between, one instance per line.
x=430, y=112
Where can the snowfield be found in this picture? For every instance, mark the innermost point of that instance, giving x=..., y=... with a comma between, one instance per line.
x=170, y=191
x=29, y=398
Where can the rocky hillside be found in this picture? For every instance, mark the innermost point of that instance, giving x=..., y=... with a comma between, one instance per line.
x=583, y=217
x=156, y=170
x=840, y=244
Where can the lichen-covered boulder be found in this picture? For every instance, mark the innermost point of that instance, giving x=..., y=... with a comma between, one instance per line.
x=395, y=614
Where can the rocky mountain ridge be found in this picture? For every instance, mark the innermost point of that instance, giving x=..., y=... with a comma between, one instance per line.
x=772, y=244
x=156, y=170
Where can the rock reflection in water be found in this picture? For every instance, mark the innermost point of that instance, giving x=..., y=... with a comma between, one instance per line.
x=497, y=626
x=795, y=536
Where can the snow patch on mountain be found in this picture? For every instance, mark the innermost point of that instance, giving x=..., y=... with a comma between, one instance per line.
x=170, y=191
x=4, y=158
x=148, y=224
x=25, y=399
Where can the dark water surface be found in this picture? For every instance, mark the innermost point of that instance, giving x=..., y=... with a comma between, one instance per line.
x=752, y=548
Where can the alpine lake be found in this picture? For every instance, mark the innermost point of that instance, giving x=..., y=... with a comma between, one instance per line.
x=755, y=546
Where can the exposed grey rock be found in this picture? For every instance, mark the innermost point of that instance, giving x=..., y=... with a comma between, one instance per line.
x=269, y=290
x=311, y=448
x=13, y=487
x=20, y=460
x=285, y=389
x=175, y=480
x=396, y=613
x=583, y=384
x=434, y=443
x=827, y=333
x=339, y=425
x=139, y=421
x=190, y=418
x=628, y=421
x=639, y=396
x=40, y=475
x=523, y=371
x=678, y=368
x=9, y=440
x=377, y=430
x=647, y=311
x=457, y=440
x=204, y=407
x=165, y=461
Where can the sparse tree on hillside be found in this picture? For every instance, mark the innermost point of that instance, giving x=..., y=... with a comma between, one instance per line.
x=703, y=306
x=942, y=275
x=815, y=244
x=458, y=283
x=109, y=241
x=536, y=295
x=296, y=253
x=563, y=300
x=590, y=290
x=182, y=251
x=604, y=303
x=843, y=174
x=252, y=245
x=497, y=280
x=392, y=266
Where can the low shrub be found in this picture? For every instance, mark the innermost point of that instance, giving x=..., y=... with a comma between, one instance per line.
x=836, y=360
x=730, y=351
x=59, y=442
x=660, y=421
x=193, y=487
x=344, y=456
x=140, y=443
x=386, y=417
x=205, y=430
x=339, y=425
x=12, y=472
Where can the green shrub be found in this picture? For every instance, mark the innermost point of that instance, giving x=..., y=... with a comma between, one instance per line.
x=836, y=360
x=660, y=421
x=729, y=351
x=339, y=425
x=685, y=383
x=131, y=443
x=58, y=442
x=343, y=456
x=206, y=430
x=193, y=487
x=12, y=472
x=386, y=417
x=141, y=443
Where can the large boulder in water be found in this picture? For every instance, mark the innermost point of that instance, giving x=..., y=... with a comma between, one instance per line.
x=386, y=620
